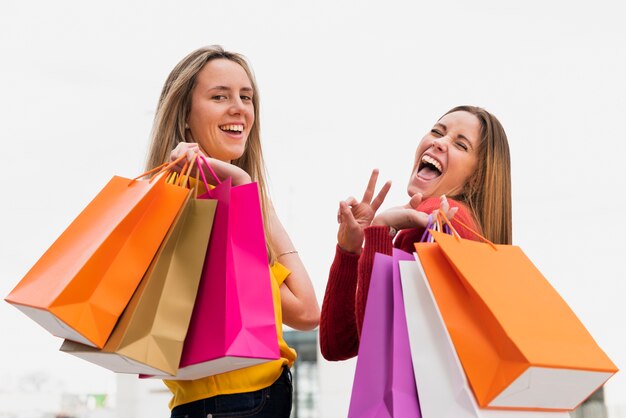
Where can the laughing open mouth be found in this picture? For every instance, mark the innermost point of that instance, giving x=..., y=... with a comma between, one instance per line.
x=234, y=128
x=429, y=168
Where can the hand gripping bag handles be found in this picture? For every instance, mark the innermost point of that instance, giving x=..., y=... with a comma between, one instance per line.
x=78, y=289
x=149, y=335
x=520, y=344
x=233, y=324
x=384, y=385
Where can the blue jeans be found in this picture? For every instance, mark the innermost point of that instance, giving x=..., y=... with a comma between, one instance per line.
x=271, y=402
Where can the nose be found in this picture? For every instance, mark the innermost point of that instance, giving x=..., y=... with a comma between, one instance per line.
x=440, y=144
x=237, y=106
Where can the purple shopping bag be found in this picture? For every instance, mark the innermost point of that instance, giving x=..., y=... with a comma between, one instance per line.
x=233, y=321
x=384, y=383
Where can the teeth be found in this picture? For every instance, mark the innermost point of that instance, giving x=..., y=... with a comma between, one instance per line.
x=431, y=160
x=235, y=128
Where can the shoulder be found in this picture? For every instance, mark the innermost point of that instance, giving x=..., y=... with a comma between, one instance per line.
x=431, y=204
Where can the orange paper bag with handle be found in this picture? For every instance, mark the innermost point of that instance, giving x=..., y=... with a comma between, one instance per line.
x=78, y=289
x=520, y=344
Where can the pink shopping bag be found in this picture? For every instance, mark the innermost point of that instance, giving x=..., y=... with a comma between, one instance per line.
x=233, y=324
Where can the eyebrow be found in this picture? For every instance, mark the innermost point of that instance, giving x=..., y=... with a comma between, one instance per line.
x=224, y=88
x=445, y=128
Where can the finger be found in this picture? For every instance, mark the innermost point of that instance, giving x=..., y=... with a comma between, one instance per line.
x=444, y=204
x=351, y=201
x=371, y=186
x=339, y=218
x=416, y=200
x=380, y=197
x=346, y=215
x=452, y=212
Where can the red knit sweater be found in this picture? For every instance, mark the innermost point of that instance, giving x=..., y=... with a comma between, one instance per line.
x=343, y=307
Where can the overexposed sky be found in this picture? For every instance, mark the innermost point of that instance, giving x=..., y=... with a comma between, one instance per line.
x=345, y=86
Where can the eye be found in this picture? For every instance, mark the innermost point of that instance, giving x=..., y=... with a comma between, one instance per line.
x=436, y=132
x=219, y=97
x=246, y=98
x=462, y=145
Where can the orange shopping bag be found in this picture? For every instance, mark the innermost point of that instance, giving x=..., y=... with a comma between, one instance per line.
x=520, y=344
x=78, y=289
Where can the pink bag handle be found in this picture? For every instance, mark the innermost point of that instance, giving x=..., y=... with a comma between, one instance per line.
x=206, y=163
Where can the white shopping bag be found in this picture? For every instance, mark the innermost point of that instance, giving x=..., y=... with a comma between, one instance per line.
x=443, y=389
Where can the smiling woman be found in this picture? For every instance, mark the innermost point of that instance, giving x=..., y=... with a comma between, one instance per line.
x=461, y=167
x=210, y=105
x=222, y=112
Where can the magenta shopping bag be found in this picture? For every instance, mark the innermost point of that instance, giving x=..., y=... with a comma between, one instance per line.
x=384, y=383
x=233, y=324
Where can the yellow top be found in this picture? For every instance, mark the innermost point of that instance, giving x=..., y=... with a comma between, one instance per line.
x=243, y=380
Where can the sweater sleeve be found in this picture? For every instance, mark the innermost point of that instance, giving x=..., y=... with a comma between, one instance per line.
x=338, y=335
x=343, y=307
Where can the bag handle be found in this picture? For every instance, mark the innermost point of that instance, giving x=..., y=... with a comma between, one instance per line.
x=182, y=179
x=206, y=163
x=159, y=169
x=445, y=219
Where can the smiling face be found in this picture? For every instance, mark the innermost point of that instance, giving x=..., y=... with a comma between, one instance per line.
x=222, y=111
x=447, y=156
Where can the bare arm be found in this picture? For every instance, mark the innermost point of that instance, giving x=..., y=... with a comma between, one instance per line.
x=299, y=303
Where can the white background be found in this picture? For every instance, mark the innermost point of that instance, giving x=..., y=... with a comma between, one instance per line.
x=345, y=86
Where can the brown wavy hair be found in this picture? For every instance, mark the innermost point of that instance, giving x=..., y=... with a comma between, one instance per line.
x=488, y=191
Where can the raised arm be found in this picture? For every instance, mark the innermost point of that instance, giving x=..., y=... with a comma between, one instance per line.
x=339, y=338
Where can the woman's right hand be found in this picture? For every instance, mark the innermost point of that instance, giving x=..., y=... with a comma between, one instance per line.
x=188, y=149
x=354, y=216
x=221, y=168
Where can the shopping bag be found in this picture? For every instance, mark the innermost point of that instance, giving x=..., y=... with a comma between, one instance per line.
x=150, y=333
x=520, y=344
x=232, y=325
x=78, y=289
x=384, y=385
x=444, y=391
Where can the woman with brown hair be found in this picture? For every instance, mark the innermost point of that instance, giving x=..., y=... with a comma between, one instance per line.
x=461, y=167
x=210, y=105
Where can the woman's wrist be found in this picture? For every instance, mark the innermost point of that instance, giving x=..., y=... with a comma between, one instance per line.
x=379, y=221
x=349, y=250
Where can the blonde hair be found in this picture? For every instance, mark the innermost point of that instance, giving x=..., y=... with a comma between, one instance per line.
x=168, y=129
x=488, y=190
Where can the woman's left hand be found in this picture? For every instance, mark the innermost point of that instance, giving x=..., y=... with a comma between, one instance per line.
x=407, y=216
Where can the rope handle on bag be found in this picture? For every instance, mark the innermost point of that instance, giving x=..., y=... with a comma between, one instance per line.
x=159, y=169
x=445, y=219
x=182, y=179
x=206, y=163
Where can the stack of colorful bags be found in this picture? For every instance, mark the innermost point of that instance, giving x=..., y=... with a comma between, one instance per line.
x=144, y=280
x=465, y=328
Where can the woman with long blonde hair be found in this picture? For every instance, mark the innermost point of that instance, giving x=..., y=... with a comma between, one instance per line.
x=210, y=105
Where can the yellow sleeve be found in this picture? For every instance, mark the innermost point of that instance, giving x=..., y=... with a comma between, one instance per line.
x=280, y=272
x=201, y=188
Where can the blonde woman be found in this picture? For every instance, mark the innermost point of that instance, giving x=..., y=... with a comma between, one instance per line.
x=210, y=104
x=465, y=156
